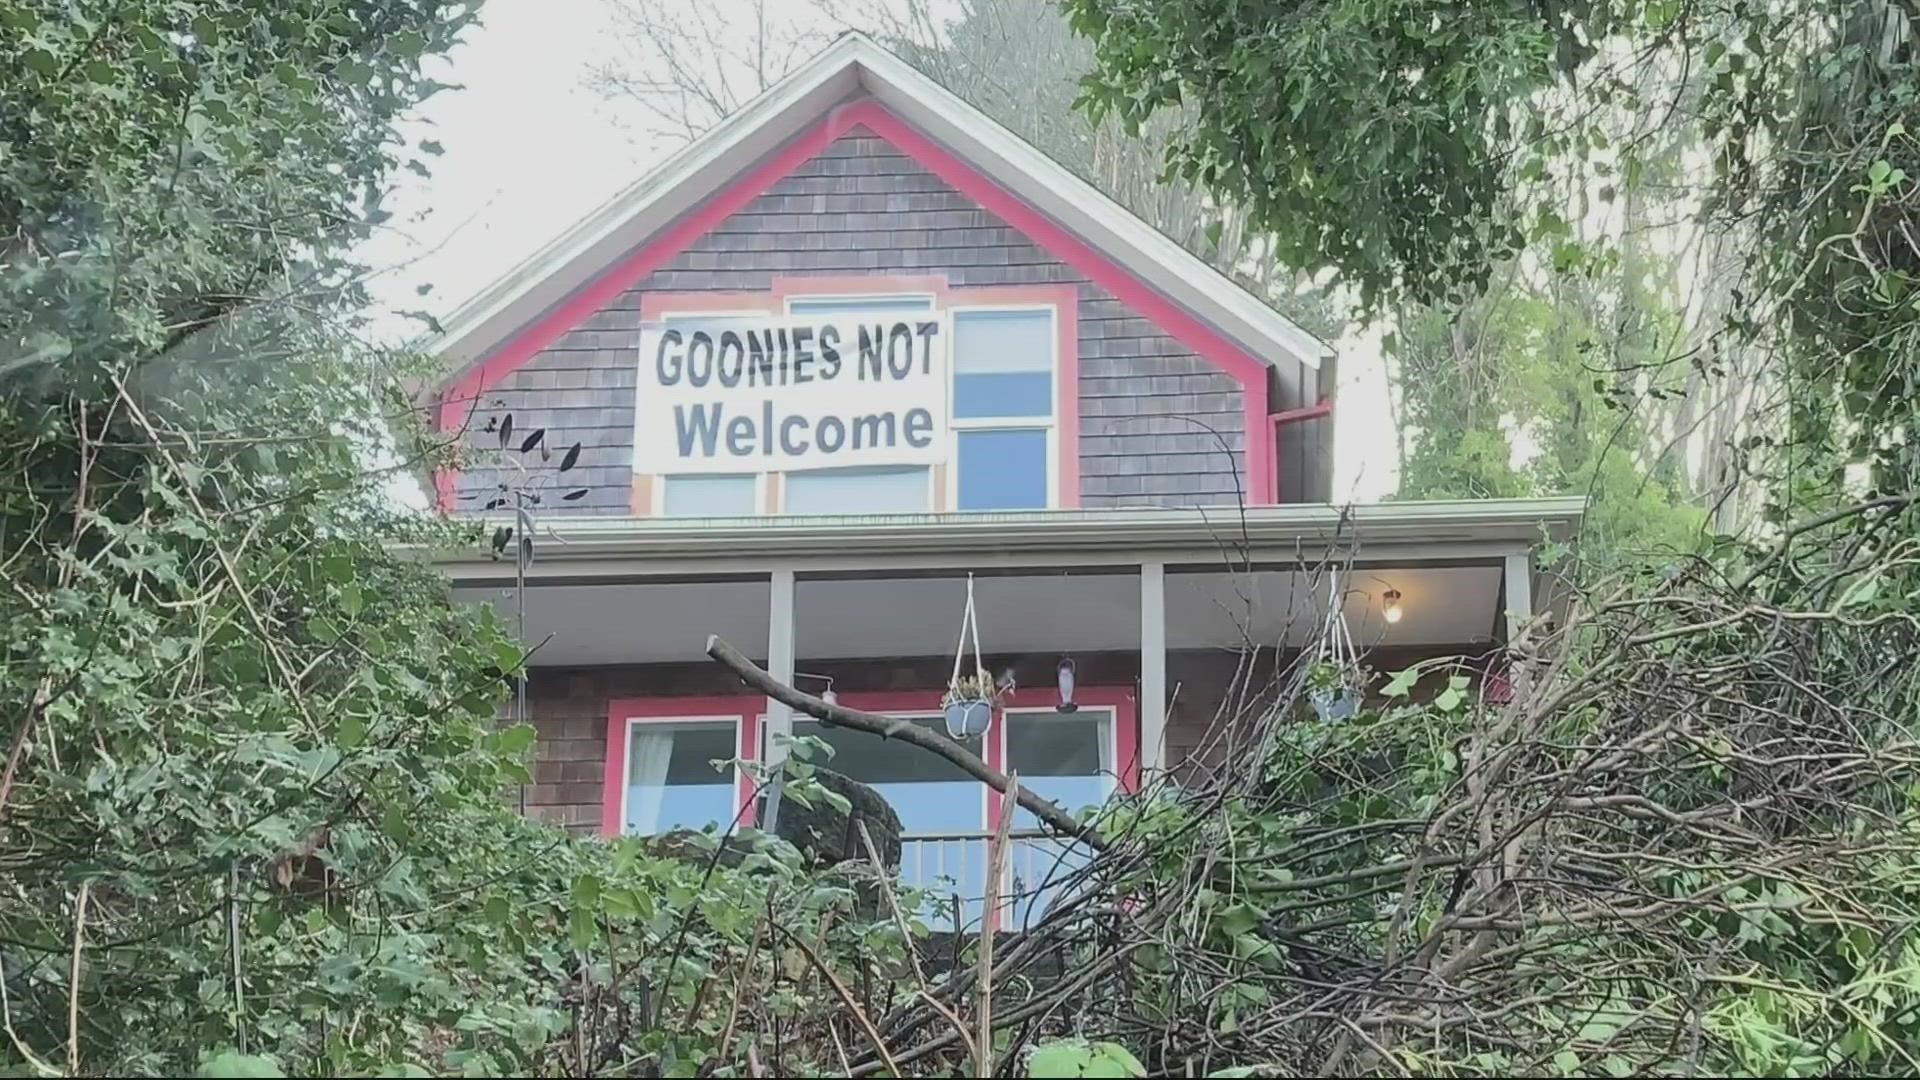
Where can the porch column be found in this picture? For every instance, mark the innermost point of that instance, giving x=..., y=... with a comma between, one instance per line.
x=1517, y=585
x=1519, y=590
x=779, y=662
x=1153, y=667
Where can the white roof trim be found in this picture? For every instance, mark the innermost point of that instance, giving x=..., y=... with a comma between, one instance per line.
x=852, y=64
x=1430, y=529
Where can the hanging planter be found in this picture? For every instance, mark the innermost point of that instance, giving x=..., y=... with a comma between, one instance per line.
x=1334, y=682
x=969, y=711
x=968, y=703
x=1340, y=701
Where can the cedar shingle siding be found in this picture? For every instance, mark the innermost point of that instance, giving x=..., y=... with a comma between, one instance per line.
x=1158, y=425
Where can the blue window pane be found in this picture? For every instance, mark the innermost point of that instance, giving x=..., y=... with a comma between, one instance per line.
x=1003, y=470
x=891, y=490
x=836, y=304
x=1004, y=393
x=671, y=781
x=682, y=806
x=709, y=496
x=986, y=342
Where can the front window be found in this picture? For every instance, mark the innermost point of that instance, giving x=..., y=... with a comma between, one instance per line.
x=1076, y=759
x=1068, y=758
x=930, y=794
x=1065, y=757
x=672, y=782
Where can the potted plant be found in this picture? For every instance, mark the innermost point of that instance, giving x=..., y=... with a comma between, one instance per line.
x=1332, y=692
x=968, y=705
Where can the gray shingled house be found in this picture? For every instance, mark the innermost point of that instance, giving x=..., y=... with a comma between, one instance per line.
x=855, y=345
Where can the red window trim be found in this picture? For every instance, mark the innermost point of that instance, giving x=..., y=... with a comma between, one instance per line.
x=460, y=395
x=621, y=712
x=746, y=710
x=1064, y=299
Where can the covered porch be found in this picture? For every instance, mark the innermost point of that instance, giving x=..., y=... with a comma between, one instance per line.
x=1155, y=613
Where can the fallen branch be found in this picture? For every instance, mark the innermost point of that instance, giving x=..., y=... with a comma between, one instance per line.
x=889, y=727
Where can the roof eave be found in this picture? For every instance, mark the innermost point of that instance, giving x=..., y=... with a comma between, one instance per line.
x=1510, y=523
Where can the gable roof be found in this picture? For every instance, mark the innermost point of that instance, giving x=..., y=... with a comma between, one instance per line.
x=854, y=66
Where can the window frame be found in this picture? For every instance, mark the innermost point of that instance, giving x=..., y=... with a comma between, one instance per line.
x=659, y=495
x=624, y=714
x=878, y=702
x=787, y=300
x=748, y=711
x=1050, y=423
x=786, y=511
x=1061, y=300
x=1115, y=775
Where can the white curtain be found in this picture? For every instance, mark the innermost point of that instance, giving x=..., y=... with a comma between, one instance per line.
x=649, y=751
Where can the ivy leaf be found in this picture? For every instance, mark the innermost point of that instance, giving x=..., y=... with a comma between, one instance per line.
x=532, y=440
x=570, y=458
x=1402, y=683
x=1077, y=1057
x=235, y=1064
x=517, y=739
x=1861, y=592
x=580, y=929
x=497, y=910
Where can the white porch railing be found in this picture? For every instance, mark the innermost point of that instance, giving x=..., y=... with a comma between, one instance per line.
x=951, y=870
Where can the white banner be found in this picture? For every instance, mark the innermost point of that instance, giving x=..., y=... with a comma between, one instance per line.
x=761, y=393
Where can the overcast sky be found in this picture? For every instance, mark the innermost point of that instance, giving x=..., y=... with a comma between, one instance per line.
x=529, y=150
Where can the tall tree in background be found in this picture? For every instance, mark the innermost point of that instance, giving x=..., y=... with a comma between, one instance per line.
x=1414, y=148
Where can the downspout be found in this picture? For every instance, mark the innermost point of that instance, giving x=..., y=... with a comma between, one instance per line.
x=1319, y=410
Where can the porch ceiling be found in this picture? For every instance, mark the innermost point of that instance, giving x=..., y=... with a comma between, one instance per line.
x=850, y=618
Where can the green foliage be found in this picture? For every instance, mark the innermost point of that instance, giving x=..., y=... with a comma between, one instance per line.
x=1078, y=1057
x=1535, y=366
x=1414, y=147
x=167, y=164
x=253, y=759
x=1365, y=136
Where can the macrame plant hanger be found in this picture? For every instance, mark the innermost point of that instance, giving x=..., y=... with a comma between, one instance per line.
x=968, y=709
x=1338, y=699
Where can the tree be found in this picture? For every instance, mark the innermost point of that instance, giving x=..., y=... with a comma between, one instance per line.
x=684, y=66
x=1411, y=148
x=1528, y=372
x=250, y=801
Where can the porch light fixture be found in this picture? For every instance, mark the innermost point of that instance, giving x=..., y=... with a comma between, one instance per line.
x=826, y=695
x=1390, y=606
x=1063, y=675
